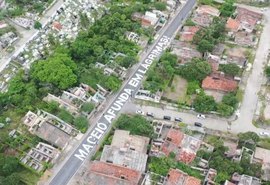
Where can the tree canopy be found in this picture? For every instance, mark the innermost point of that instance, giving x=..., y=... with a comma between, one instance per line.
x=204, y=103
x=230, y=69
x=59, y=70
x=196, y=70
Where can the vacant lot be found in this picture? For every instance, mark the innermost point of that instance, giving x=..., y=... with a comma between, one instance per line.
x=177, y=90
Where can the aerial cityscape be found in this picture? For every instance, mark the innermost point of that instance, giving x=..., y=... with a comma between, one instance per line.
x=134, y=92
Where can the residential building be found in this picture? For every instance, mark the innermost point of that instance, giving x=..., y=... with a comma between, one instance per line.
x=203, y=20
x=232, y=25
x=245, y=180
x=210, y=177
x=262, y=156
x=149, y=19
x=42, y=153
x=57, y=26
x=248, y=18
x=185, y=51
x=49, y=128
x=124, y=157
x=218, y=49
x=244, y=39
x=213, y=61
x=73, y=99
x=188, y=33
x=178, y=177
x=122, y=139
x=184, y=146
x=219, y=83
x=209, y=10
x=110, y=174
x=237, y=56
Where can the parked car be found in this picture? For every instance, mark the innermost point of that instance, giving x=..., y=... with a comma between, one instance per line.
x=267, y=134
x=150, y=114
x=178, y=119
x=201, y=116
x=197, y=124
x=139, y=112
x=167, y=117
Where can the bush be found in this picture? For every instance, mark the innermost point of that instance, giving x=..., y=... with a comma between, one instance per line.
x=160, y=6
x=81, y=123
x=193, y=87
x=230, y=69
x=137, y=125
x=87, y=107
x=204, y=103
x=65, y=116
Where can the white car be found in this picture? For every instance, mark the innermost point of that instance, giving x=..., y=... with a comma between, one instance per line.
x=201, y=116
x=140, y=112
x=264, y=134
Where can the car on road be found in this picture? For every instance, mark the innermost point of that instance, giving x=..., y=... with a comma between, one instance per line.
x=178, y=119
x=197, y=124
x=201, y=116
x=140, y=112
x=267, y=134
x=150, y=114
x=167, y=117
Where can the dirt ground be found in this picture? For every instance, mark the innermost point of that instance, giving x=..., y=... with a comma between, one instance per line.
x=177, y=90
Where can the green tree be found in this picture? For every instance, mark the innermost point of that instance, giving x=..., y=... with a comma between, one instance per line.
x=137, y=125
x=192, y=87
x=230, y=69
x=65, y=115
x=204, y=103
x=58, y=70
x=267, y=71
x=248, y=139
x=37, y=25
x=87, y=107
x=196, y=70
x=160, y=6
x=224, y=109
x=205, y=46
x=227, y=8
x=81, y=123
x=8, y=165
x=230, y=99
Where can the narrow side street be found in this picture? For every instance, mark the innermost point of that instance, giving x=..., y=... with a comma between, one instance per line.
x=255, y=80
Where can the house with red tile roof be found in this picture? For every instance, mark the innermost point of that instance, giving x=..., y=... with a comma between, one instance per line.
x=110, y=174
x=233, y=25
x=57, y=26
x=219, y=83
x=248, y=18
x=184, y=146
x=176, y=176
x=188, y=33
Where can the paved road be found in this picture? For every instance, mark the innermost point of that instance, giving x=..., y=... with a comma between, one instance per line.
x=188, y=118
x=255, y=80
x=28, y=35
x=94, y=136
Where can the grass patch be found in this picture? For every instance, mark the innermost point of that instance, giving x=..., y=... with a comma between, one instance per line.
x=29, y=177
x=240, y=95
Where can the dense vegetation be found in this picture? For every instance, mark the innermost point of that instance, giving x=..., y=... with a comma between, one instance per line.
x=226, y=166
x=161, y=73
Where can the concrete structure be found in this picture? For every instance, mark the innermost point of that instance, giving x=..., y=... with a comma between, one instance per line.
x=245, y=180
x=185, y=51
x=262, y=156
x=178, y=177
x=184, y=146
x=148, y=96
x=50, y=128
x=42, y=153
x=206, y=9
x=124, y=157
x=122, y=139
x=188, y=33
x=101, y=173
